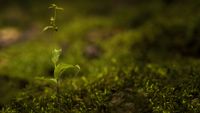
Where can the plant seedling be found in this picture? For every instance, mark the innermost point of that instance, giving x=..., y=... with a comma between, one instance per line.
x=53, y=18
x=59, y=68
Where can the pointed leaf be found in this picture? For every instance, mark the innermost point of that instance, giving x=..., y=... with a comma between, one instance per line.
x=55, y=55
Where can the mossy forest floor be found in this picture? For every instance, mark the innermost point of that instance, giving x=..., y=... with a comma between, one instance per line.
x=136, y=57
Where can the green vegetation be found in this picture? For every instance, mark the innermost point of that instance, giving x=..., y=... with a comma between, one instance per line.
x=53, y=18
x=134, y=57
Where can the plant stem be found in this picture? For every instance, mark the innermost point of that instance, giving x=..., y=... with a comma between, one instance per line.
x=55, y=13
x=58, y=94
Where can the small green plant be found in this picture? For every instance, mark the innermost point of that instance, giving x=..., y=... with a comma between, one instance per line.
x=53, y=18
x=59, y=68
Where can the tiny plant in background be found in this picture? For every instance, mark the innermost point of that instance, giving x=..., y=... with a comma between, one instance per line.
x=53, y=18
x=59, y=68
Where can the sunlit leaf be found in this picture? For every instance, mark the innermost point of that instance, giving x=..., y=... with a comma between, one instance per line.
x=60, y=68
x=56, y=54
x=77, y=68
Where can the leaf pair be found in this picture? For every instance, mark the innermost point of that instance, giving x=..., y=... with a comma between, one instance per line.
x=60, y=68
x=54, y=6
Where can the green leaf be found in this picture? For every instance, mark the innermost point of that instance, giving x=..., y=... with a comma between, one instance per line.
x=60, y=68
x=55, y=55
x=52, y=6
x=47, y=27
x=59, y=8
x=47, y=79
x=78, y=68
x=53, y=80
